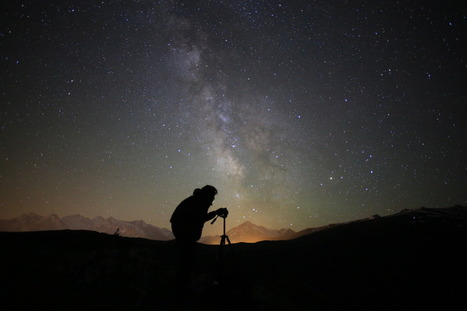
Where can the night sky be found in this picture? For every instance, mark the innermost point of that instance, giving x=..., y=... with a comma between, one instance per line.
x=301, y=113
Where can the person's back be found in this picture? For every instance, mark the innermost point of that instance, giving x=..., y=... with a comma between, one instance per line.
x=189, y=217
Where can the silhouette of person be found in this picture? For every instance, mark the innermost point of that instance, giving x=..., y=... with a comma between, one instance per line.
x=187, y=226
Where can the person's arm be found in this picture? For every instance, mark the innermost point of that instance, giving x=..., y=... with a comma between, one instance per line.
x=210, y=215
x=221, y=211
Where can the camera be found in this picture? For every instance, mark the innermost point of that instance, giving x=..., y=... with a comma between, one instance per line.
x=223, y=212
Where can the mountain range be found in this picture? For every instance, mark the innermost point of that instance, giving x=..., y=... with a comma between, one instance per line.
x=245, y=232
x=248, y=232
x=110, y=225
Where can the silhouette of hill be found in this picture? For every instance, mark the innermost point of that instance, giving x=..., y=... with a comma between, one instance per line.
x=413, y=260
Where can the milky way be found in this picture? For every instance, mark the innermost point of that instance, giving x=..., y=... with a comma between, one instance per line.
x=301, y=113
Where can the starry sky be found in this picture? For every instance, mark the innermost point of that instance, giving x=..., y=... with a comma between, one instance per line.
x=300, y=113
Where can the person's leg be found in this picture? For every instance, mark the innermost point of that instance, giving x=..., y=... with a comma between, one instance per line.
x=186, y=259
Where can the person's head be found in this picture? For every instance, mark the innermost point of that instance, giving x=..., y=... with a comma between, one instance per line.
x=207, y=193
x=209, y=190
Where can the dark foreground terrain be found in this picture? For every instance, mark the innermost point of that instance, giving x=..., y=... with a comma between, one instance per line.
x=414, y=260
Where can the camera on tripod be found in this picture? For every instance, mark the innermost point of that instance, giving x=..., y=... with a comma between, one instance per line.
x=223, y=212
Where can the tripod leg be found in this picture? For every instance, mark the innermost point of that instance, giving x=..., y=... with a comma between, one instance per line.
x=220, y=256
x=231, y=248
x=221, y=248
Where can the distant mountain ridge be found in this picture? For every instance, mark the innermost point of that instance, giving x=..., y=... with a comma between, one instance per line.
x=110, y=225
x=250, y=233
x=33, y=222
x=245, y=232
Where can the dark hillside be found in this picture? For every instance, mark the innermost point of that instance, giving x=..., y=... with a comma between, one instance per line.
x=412, y=260
x=398, y=262
x=82, y=269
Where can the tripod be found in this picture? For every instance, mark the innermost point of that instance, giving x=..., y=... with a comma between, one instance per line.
x=220, y=256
